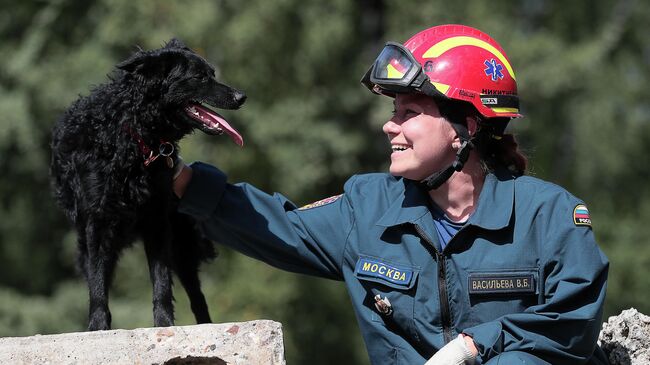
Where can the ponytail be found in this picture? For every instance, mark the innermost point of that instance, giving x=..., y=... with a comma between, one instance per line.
x=501, y=152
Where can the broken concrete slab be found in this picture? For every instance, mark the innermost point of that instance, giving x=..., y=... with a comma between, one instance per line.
x=250, y=343
x=625, y=338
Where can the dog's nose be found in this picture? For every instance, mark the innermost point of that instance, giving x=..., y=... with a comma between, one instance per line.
x=240, y=97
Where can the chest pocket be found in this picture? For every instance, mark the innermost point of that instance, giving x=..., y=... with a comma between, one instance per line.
x=393, y=281
x=494, y=293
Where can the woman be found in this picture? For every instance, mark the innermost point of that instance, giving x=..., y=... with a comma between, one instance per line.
x=455, y=256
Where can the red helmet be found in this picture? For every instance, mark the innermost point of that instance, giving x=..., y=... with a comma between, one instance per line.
x=451, y=61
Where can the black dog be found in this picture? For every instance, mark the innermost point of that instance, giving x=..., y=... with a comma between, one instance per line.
x=113, y=156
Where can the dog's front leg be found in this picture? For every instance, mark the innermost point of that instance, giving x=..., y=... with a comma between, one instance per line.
x=98, y=262
x=156, y=247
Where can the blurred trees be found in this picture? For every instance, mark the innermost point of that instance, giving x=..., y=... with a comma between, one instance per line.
x=308, y=125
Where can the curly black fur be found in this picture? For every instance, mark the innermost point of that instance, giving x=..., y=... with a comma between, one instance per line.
x=101, y=182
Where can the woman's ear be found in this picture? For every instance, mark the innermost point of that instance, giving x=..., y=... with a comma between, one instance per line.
x=472, y=128
x=472, y=125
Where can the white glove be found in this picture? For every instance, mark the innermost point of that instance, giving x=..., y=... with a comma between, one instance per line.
x=455, y=352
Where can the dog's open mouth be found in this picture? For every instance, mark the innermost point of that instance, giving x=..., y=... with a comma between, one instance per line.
x=212, y=123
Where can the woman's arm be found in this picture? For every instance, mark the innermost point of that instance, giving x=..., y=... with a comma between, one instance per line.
x=267, y=227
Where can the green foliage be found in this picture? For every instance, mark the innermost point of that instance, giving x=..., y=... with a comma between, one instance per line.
x=26, y=315
x=582, y=69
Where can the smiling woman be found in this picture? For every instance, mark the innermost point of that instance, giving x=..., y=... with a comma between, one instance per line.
x=455, y=256
x=420, y=137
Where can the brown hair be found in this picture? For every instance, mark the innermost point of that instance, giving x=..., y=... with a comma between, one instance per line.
x=500, y=151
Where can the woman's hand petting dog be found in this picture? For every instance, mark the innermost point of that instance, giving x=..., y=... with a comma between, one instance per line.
x=182, y=177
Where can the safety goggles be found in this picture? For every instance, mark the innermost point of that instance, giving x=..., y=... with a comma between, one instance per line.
x=397, y=71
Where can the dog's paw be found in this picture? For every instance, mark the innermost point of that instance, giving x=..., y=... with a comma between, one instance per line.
x=163, y=318
x=99, y=321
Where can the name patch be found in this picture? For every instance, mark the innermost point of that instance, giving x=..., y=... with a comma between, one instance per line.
x=501, y=283
x=372, y=268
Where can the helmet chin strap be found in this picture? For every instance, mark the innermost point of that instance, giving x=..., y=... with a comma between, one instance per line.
x=440, y=177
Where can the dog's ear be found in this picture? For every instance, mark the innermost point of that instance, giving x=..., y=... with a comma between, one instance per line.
x=134, y=62
x=142, y=59
x=156, y=63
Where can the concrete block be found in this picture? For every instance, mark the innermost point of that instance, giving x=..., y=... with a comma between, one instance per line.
x=250, y=343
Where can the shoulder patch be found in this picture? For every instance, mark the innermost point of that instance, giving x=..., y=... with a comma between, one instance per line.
x=581, y=215
x=322, y=202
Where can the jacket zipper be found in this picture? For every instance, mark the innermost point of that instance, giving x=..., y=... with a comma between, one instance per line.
x=442, y=287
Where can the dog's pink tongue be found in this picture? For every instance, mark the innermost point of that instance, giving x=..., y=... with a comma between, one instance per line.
x=221, y=123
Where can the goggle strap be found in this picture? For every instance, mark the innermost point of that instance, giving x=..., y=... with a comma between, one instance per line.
x=428, y=89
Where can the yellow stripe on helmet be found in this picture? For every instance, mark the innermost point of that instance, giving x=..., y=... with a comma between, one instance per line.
x=446, y=44
x=505, y=110
x=443, y=88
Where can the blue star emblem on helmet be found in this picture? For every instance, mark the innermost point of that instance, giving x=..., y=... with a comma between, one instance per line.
x=493, y=69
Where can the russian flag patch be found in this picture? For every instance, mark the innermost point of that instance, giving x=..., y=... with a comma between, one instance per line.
x=581, y=215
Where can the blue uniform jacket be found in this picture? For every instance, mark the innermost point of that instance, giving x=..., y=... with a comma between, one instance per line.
x=521, y=276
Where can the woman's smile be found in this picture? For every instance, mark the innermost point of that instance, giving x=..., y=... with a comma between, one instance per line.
x=398, y=147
